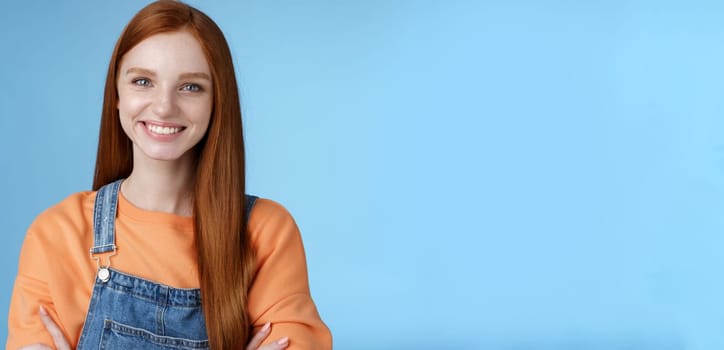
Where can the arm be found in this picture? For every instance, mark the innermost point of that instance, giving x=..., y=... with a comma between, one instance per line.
x=280, y=291
x=29, y=293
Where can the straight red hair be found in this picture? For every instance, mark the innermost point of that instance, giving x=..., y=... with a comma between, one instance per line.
x=225, y=256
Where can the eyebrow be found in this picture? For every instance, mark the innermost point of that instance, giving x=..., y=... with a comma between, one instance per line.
x=183, y=76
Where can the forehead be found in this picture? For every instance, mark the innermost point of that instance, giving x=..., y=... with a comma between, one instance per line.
x=172, y=53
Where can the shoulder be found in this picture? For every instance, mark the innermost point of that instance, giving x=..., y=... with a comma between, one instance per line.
x=71, y=215
x=269, y=210
x=272, y=226
x=71, y=208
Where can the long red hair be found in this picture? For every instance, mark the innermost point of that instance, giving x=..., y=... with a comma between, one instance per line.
x=225, y=256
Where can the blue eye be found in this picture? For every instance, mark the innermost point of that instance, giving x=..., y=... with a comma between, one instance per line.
x=191, y=87
x=141, y=82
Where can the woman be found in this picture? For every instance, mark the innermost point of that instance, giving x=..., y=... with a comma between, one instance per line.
x=167, y=221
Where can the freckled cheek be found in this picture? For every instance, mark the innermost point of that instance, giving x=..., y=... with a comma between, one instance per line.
x=131, y=106
x=199, y=113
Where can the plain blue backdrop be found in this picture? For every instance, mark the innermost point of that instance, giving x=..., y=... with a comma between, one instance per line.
x=466, y=174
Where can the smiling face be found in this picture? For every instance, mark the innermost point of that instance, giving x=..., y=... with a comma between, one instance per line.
x=165, y=95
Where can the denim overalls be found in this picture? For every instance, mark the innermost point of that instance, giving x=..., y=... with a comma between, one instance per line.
x=128, y=312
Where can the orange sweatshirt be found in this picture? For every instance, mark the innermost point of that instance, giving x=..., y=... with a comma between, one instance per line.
x=56, y=271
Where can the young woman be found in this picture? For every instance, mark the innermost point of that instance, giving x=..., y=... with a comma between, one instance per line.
x=179, y=257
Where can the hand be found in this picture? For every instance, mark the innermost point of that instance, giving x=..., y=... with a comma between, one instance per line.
x=255, y=342
x=58, y=338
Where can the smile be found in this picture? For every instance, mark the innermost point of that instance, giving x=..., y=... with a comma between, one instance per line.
x=163, y=130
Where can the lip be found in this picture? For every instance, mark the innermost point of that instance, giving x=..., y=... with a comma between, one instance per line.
x=158, y=137
x=163, y=124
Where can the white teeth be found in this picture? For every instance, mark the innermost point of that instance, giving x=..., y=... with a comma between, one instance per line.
x=162, y=130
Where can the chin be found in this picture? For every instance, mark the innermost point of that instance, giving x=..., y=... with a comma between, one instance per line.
x=166, y=152
x=165, y=156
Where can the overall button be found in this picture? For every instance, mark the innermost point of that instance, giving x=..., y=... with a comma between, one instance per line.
x=104, y=275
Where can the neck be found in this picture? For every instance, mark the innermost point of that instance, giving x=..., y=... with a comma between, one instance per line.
x=158, y=185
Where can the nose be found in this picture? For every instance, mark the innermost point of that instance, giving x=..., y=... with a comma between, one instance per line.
x=164, y=103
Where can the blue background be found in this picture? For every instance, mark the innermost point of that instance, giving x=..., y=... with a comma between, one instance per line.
x=466, y=174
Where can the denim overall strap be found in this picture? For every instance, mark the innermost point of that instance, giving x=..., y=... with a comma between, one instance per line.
x=104, y=218
x=250, y=200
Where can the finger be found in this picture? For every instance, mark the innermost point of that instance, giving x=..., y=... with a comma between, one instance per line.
x=54, y=330
x=36, y=347
x=259, y=337
x=277, y=345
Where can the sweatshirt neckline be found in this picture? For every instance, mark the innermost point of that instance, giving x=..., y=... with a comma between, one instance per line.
x=127, y=209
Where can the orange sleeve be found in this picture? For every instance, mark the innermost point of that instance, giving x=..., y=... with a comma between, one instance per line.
x=30, y=291
x=280, y=291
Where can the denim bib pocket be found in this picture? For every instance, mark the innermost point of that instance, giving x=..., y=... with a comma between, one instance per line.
x=120, y=336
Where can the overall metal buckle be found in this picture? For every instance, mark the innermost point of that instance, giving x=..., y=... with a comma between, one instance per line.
x=103, y=273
